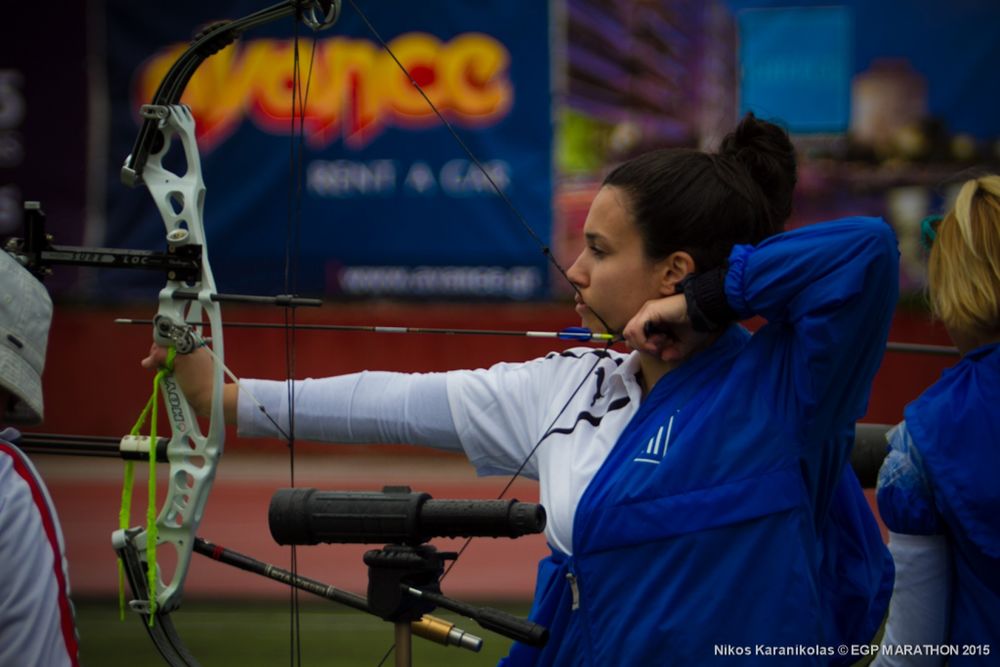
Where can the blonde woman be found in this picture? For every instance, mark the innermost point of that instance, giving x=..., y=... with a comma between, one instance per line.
x=937, y=489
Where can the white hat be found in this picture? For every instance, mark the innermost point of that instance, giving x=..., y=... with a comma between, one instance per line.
x=25, y=315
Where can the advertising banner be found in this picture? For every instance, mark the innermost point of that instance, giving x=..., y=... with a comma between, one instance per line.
x=374, y=196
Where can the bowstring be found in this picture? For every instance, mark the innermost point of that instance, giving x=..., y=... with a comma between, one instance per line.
x=524, y=463
x=546, y=251
x=293, y=227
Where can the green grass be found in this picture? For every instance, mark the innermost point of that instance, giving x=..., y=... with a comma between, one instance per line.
x=252, y=634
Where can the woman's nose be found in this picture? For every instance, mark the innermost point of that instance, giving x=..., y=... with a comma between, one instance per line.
x=577, y=273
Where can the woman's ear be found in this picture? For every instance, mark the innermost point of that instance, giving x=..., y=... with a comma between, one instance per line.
x=673, y=269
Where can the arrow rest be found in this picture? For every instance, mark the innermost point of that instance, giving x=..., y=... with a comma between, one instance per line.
x=182, y=337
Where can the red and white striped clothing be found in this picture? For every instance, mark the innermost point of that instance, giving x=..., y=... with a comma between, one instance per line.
x=36, y=615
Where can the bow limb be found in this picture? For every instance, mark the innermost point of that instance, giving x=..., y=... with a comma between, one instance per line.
x=158, y=624
x=317, y=14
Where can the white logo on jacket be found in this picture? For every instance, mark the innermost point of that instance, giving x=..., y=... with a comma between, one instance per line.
x=656, y=448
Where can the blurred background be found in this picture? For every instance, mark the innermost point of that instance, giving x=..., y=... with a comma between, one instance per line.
x=890, y=103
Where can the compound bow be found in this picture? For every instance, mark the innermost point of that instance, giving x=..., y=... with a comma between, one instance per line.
x=192, y=455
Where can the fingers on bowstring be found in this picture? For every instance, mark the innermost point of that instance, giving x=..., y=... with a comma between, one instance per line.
x=659, y=330
x=650, y=337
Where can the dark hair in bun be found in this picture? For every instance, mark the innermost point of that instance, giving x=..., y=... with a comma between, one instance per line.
x=767, y=153
x=704, y=203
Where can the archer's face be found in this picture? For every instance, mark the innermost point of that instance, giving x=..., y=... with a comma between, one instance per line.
x=612, y=272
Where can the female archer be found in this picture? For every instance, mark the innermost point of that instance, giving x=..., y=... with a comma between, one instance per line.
x=698, y=491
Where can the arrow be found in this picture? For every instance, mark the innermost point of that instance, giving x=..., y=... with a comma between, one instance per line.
x=569, y=333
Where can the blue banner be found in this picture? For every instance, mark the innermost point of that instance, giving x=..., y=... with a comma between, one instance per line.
x=951, y=46
x=389, y=203
x=796, y=65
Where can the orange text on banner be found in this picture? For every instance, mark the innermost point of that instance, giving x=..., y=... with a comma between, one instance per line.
x=356, y=89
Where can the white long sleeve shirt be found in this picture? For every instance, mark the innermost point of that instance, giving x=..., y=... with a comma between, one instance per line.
x=571, y=405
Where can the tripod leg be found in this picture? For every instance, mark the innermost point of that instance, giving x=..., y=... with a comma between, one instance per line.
x=403, y=645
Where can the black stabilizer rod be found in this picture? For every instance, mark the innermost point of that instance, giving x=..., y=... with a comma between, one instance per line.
x=519, y=629
x=428, y=627
x=137, y=448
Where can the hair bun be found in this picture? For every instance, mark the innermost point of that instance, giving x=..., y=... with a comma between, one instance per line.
x=766, y=152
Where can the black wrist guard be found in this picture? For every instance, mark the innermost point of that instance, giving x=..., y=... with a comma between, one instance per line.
x=705, y=294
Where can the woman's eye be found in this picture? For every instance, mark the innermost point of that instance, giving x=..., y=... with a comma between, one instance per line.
x=597, y=252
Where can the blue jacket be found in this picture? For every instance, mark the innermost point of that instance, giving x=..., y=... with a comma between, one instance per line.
x=955, y=427
x=751, y=534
